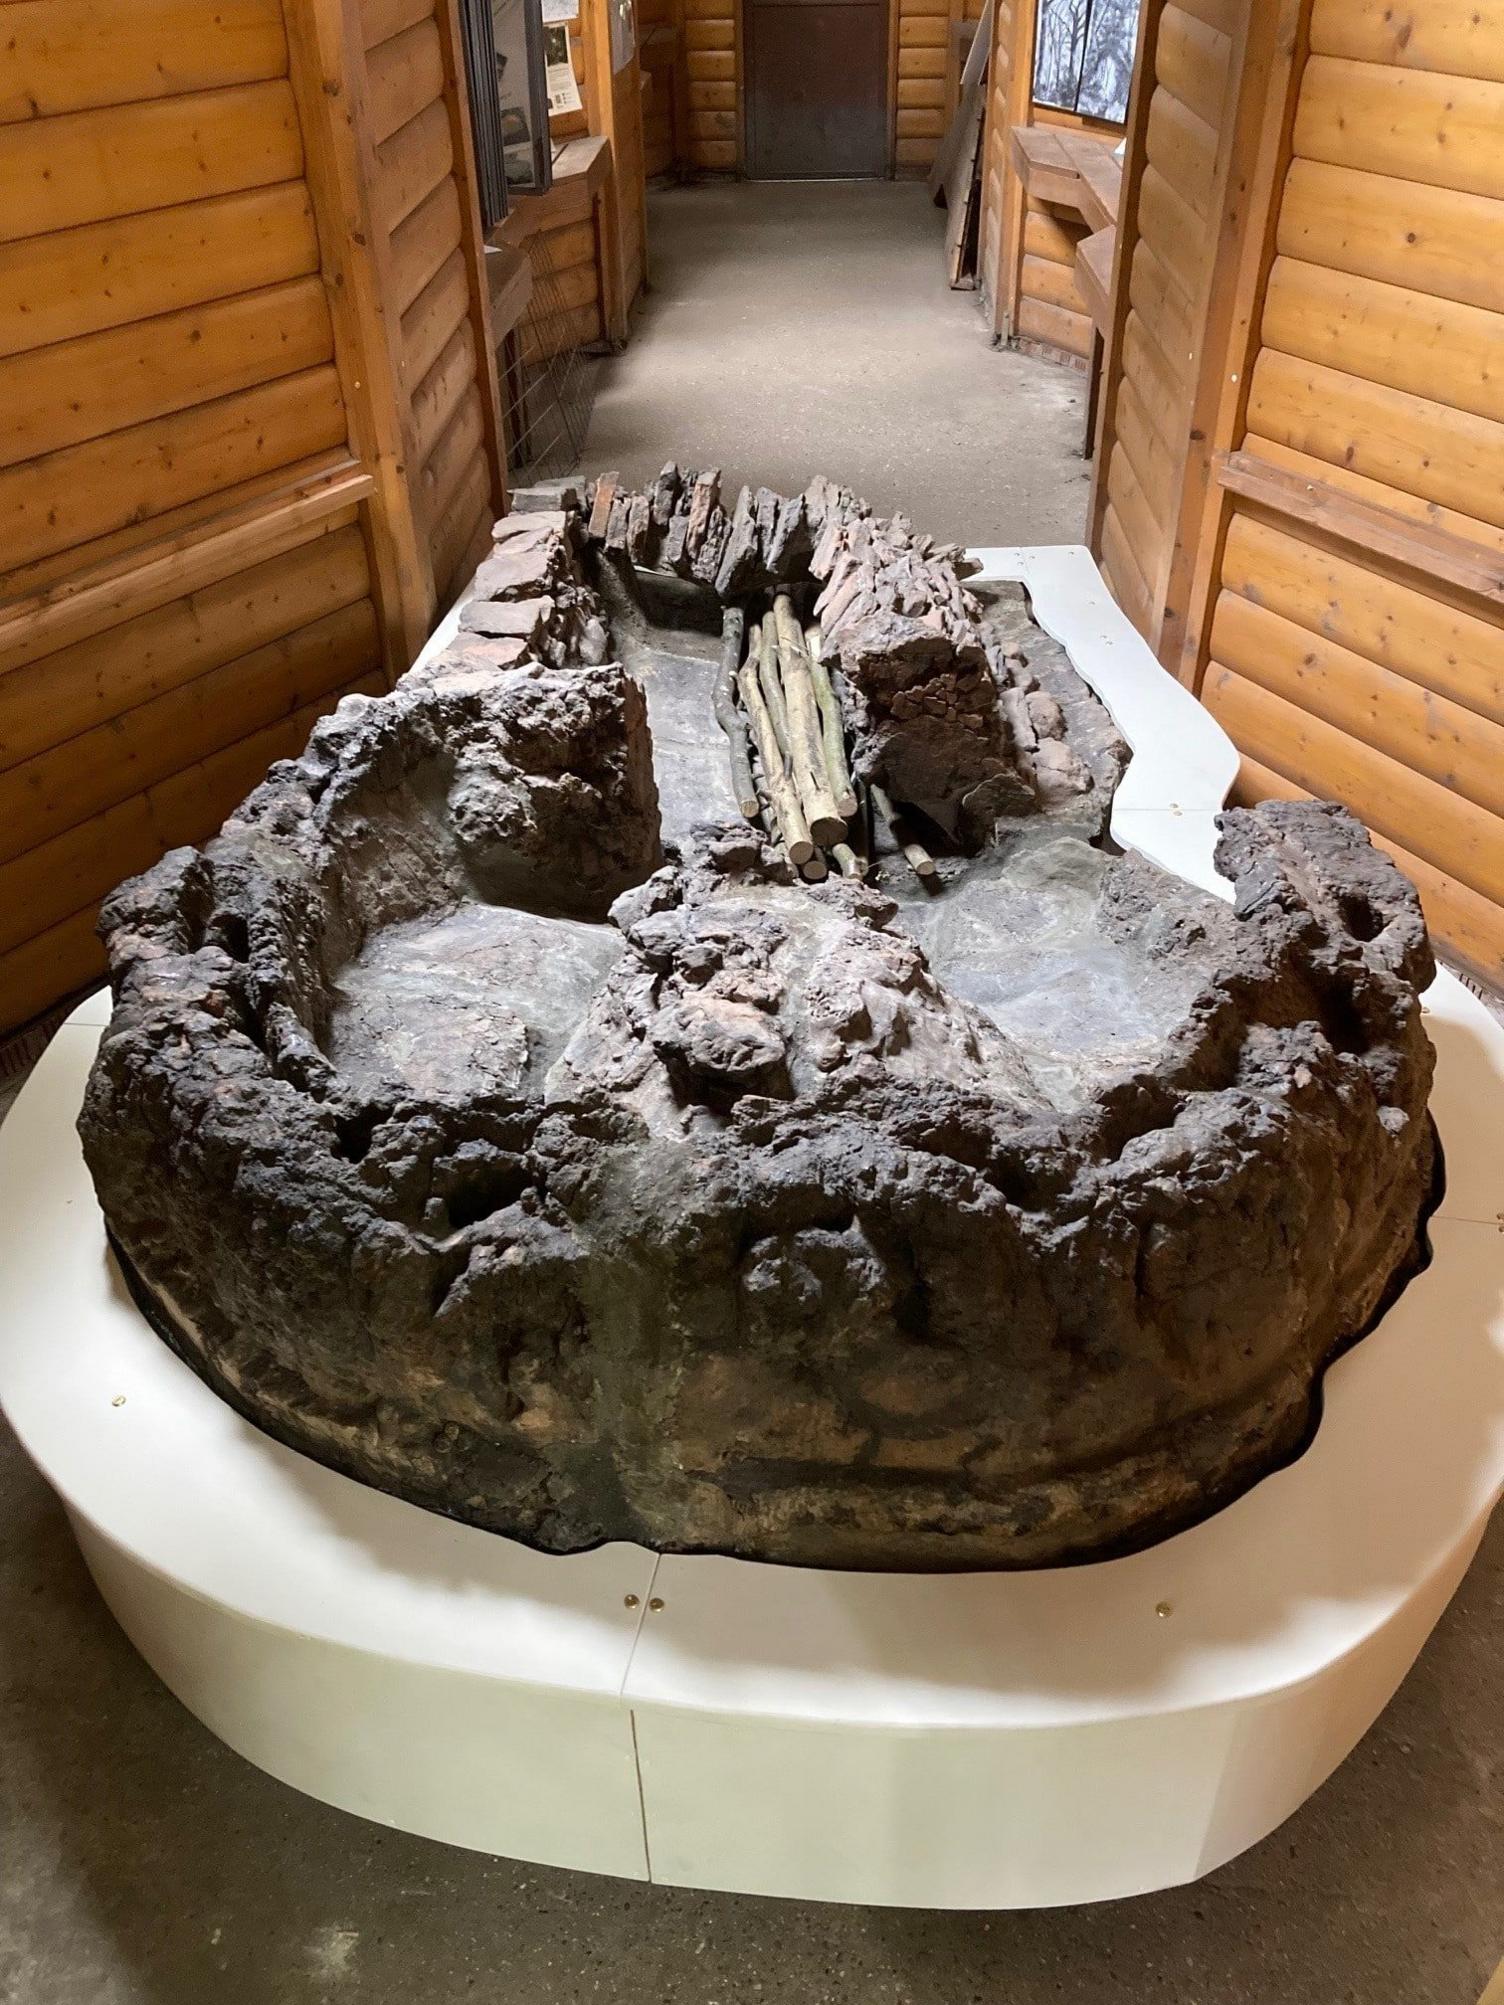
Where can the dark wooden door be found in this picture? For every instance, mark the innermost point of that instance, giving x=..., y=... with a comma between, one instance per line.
x=817, y=89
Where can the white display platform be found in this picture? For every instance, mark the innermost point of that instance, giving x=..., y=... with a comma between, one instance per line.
x=966, y=1741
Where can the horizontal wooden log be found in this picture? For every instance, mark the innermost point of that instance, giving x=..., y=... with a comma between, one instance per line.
x=412, y=163
x=1445, y=130
x=709, y=64
x=1163, y=397
x=432, y=318
x=71, y=498
x=1464, y=925
x=437, y=397
x=709, y=35
x=1433, y=240
x=1191, y=61
x=51, y=805
x=1415, y=632
x=553, y=333
x=922, y=33
x=1429, y=733
x=79, y=168
x=562, y=249
x=1177, y=235
x=1463, y=41
x=454, y=534
x=1434, y=348
x=1125, y=576
x=1047, y=234
x=459, y=445
x=919, y=124
x=1467, y=530
x=717, y=94
x=921, y=93
x=76, y=390
x=1145, y=537
x=75, y=55
x=1183, y=148
x=1455, y=835
x=423, y=244
x=1156, y=465
x=403, y=75
x=1056, y=326
x=1411, y=442
x=1162, y=309
x=60, y=695
x=1042, y=278
x=67, y=283
x=380, y=20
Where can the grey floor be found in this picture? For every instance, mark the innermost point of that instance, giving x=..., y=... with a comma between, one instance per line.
x=143, y=1864
x=798, y=328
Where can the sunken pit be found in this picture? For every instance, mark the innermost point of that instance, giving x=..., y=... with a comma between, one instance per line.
x=691, y=1066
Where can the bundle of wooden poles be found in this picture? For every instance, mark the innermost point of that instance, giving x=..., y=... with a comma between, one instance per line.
x=774, y=699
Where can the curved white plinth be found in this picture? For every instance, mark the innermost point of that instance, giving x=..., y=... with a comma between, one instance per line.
x=979, y=1740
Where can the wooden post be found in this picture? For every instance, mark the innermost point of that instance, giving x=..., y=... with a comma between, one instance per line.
x=1274, y=54
x=326, y=68
x=1019, y=99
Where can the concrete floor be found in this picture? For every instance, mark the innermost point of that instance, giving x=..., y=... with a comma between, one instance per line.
x=796, y=328
x=144, y=1864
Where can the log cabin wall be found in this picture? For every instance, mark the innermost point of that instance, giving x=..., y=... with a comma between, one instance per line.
x=1027, y=244
x=210, y=526
x=1335, y=567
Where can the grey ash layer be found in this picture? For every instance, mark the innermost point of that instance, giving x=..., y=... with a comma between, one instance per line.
x=503, y=1123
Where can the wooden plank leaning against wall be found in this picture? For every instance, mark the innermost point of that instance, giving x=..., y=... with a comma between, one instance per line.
x=209, y=520
x=1331, y=572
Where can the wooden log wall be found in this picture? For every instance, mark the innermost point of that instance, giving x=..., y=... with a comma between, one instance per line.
x=1051, y=311
x=711, y=37
x=210, y=523
x=417, y=163
x=1341, y=554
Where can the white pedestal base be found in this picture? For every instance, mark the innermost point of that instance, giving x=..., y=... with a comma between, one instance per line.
x=974, y=1740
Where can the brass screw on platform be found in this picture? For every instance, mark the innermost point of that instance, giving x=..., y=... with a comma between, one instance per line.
x=118, y=1400
x=1164, y=1608
x=629, y=1601
x=656, y=1603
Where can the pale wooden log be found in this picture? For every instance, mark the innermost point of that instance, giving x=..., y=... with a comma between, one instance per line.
x=783, y=798
x=403, y=75
x=380, y=20
x=1173, y=231
x=1042, y=278
x=832, y=730
x=915, y=855
x=72, y=784
x=1433, y=240
x=1387, y=334
x=1411, y=442
x=432, y=318
x=728, y=716
x=1047, y=235
x=1321, y=476
x=412, y=163
x=1445, y=130
x=816, y=870
x=806, y=734
x=1161, y=310
x=444, y=473
x=58, y=172
x=772, y=688
x=1460, y=41
x=1448, y=743
x=76, y=55
x=1191, y=61
x=1183, y=148
x=51, y=285
x=69, y=498
x=1455, y=835
x=1416, y=633
x=847, y=861
x=437, y=397
x=423, y=244
x=1055, y=325
x=1155, y=467
x=76, y=390
x=58, y=695
x=1146, y=538
x=253, y=526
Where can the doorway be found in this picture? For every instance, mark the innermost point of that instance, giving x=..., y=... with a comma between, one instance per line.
x=817, y=89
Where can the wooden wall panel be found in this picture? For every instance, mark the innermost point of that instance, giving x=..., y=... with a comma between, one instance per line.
x=1344, y=617
x=224, y=236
